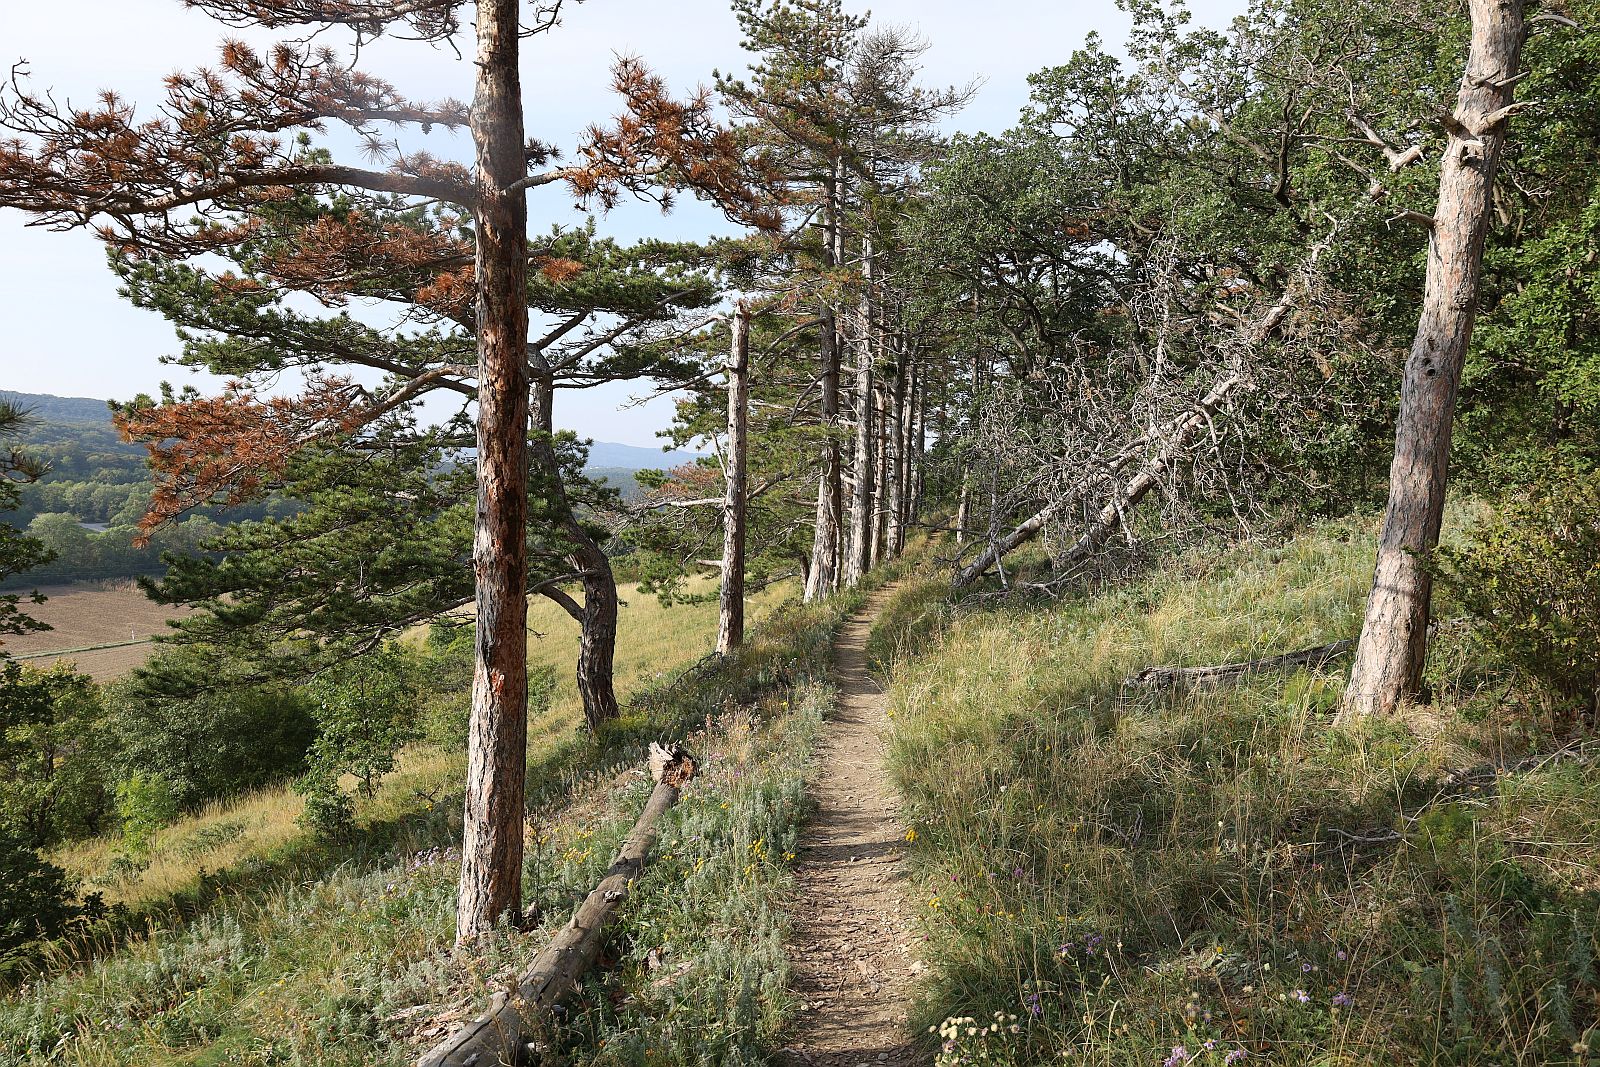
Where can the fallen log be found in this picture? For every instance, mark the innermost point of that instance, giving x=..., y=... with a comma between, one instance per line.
x=497, y=1037
x=1230, y=673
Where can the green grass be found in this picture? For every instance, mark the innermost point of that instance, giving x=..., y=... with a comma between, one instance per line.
x=310, y=953
x=260, y=829
x=1127, y=874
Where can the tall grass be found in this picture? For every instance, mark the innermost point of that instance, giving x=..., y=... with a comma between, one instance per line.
x=1112, y=876
x=353, y=963
x=259, y=828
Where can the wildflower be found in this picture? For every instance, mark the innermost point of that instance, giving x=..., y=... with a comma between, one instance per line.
x=1035, y=1009
x=1017, y=873
x=1236, y=1056
x=1301, y=996
x=911, y=835
x=1341, y=955
x=1343, y=1000
x=1305, y=968
x=1179, y=1057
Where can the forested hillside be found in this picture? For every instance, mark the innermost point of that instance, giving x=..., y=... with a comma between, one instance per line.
x=86, y=508
x=1127, y=591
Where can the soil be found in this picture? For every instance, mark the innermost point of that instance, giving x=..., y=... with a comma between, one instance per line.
x=93, y=614
x=852, y=943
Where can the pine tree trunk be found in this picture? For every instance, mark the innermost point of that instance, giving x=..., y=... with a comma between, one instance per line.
x=894, y=498
x=919, y=451
x=885, y=475
x=597, y=615
x=823, y=576
x=491, y=847
x=597, y=642
x=964, y=508
x=1389, y=659
x=861, y=527
x=907, y=473
x=730, y=627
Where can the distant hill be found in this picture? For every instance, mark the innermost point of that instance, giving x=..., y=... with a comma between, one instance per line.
x=634, y=458
x=605, y=457
x=62, y=409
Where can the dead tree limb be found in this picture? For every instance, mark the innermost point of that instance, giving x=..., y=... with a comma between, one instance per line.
x=1174, y=438
x=496, y=1037
x=1232, y=673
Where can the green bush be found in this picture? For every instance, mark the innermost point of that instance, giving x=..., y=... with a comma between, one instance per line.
x=36, y=897
x=211, y=745
x=52, y=780
x=1530, y=578
x=146, y=804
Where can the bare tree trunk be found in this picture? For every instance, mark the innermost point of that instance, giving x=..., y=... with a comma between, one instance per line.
x=1393, y=646
x=919, y=453
x=964, y=508
x=730, y=627
x=823, y=576
x=885, y=475
x=500, y=1035
x=861, y=528
x=906, y=477
x=491, y=847
x=895, y=498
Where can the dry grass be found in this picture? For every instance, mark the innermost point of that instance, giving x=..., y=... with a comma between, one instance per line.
x=348, y=960
x=653, y=641
x=1129, y=873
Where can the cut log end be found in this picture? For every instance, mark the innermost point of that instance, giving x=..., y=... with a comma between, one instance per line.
x=670, y=765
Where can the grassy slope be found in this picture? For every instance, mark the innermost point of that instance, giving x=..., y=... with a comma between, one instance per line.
x=310, y=953
x=652, y=641
x=1123, y=875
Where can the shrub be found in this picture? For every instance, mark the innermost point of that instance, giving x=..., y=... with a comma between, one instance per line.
x=211, y=745
x=365, y=711
x=36, y=897
x=1530, y=577
x=52, y=783
x=146, y=804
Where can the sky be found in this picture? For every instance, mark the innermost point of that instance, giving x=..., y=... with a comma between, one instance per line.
x=64, y=330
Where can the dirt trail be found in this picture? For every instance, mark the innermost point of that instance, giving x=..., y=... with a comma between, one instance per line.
x=852, y=939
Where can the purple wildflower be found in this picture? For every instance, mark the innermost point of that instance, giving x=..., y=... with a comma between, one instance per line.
x=1017, y=873
x=1034, y=1007
x=1301, y=996
x=1179, y=1057
x=1341, y=955
x=1305, y=968
x=1343, y=1000
x=1235, y=1056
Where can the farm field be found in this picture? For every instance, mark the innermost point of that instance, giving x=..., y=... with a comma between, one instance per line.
x=89, y=614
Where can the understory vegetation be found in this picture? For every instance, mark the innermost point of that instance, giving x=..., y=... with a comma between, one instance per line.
x=1112, y=874
x=342, y=954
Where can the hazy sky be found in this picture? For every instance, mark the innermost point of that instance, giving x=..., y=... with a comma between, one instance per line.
x=63, y=329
